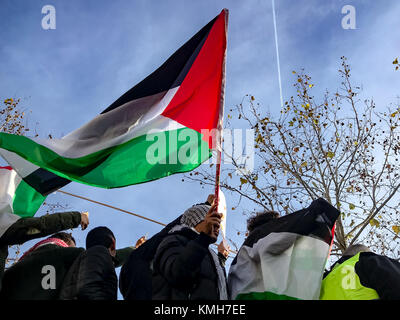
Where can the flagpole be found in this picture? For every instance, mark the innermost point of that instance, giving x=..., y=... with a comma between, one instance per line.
x=112, y=207
x=221, y=118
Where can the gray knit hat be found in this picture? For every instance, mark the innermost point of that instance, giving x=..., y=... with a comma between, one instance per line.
x=194, y=215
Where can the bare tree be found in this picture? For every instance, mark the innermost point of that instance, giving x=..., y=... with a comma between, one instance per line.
x=340, y=148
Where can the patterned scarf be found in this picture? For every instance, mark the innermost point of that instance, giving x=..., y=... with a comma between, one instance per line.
x=56, y=241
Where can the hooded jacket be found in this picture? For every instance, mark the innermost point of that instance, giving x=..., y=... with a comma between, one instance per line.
x=91, y=277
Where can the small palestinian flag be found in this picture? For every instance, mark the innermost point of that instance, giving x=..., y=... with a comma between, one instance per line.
x=285, y=258
x=17, y=198
x=161, y=126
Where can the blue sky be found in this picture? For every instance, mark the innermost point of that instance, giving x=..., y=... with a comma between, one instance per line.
x=100, y=49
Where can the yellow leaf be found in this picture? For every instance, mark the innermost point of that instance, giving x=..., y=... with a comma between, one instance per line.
x=243, y=181
x=374, y=223
x=330, y=154
x=396, y=229
x=356, y=143
x=351, y=206
x=314, y=184
x=304, y=164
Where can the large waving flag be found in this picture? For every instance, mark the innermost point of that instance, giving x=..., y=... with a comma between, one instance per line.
x=17, y=198
x=157, y=128
x=286, y=257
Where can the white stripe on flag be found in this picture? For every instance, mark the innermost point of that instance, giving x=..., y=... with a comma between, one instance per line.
x=296, y=272
x=23, y=167
x=131, y=120
x=9, y=181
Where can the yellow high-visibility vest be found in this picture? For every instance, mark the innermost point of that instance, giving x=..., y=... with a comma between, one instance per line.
x=343, y=283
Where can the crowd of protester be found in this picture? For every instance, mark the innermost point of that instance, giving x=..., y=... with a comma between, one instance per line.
x=178, y=263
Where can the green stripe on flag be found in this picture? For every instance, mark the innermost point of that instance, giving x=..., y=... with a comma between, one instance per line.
x=179, y=150
x=26, y=200
x=263, y=296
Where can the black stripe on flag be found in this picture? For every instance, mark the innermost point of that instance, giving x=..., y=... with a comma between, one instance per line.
x=45, y=181
x=316, y=221
x=171, y=73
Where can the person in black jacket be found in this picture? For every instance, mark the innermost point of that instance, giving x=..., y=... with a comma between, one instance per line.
x=26, y=229
x=39, y=273
x=92, y=276
x=185, y=268
x=135, y=278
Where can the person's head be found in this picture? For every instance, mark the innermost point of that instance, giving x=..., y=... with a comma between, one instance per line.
x=101, y=236
x=66, y=237
x=356, y=248
x=194, y=218
x=260, y=218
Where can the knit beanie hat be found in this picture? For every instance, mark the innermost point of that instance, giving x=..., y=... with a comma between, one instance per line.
x=194, y=215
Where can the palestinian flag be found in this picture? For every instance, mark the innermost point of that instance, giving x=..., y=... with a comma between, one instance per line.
x=17, y=198
x=161, y=126
x=285, y=258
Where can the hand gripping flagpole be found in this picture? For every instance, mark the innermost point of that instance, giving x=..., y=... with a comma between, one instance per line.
x=218, y=135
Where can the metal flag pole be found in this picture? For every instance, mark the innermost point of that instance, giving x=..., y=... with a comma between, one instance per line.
x=112, y=207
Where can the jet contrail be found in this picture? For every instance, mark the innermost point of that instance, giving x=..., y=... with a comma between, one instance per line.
x=277, y=52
